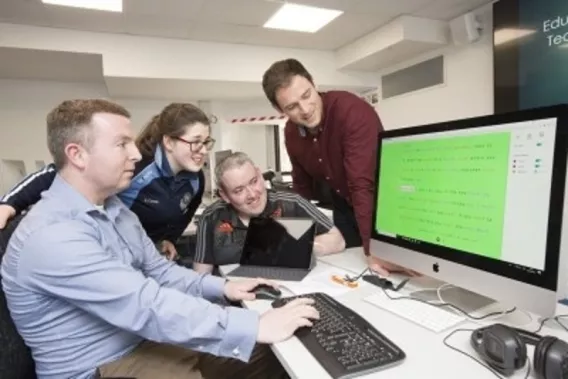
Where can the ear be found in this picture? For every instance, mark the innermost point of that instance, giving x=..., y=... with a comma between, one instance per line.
x=76, y=155
x=168, y=143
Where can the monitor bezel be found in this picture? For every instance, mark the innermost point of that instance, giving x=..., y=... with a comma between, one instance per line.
x=548, y=278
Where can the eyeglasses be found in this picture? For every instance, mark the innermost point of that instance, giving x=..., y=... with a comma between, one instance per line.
x=196, y=146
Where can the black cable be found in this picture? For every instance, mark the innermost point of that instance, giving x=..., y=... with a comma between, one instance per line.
x=479, y=361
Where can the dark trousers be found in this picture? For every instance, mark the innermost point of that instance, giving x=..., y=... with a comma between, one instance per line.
x=344, y=219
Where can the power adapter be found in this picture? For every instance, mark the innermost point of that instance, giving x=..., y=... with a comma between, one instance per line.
x=383, y=282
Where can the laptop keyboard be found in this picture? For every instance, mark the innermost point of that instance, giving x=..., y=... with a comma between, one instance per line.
x=274, y=273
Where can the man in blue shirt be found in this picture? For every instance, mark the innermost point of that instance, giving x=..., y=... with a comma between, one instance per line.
x=88, y=292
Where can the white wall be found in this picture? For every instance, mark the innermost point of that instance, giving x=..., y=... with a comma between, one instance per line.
x=24, y=105
x=142, y=110
x=248, y=138
x=467, y=91
x=23, y=108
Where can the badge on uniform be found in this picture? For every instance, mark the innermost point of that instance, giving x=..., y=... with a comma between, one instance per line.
x=184, y=202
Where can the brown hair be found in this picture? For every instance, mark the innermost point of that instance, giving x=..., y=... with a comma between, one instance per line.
x=279, y=75
x=172, y=121
x=70, y=122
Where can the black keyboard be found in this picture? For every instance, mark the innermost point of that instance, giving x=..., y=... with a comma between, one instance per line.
x=343, y=342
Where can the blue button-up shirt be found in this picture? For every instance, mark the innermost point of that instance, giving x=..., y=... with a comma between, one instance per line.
x=85, y=285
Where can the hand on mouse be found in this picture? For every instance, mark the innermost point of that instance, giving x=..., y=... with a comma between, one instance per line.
x=279, y=324
x=241, y=289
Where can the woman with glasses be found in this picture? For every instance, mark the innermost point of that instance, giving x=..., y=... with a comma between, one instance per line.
x=168, y=183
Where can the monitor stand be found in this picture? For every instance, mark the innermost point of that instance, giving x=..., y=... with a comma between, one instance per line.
x=469, y=302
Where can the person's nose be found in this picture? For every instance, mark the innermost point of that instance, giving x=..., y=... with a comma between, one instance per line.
x=250, y=193
x=304, y=108
x=135, y=154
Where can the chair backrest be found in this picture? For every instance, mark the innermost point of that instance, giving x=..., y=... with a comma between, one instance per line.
x=16, y=361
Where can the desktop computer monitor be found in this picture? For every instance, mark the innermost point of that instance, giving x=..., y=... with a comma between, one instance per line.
x=478, y=203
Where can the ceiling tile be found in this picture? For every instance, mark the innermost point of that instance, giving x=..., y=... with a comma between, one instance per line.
x=340, y=31
x=349, y=27
x=390, y=7
x=83, y=19
x=24, y=12
x=239, y=12
x=217, y=32
x=248, y=35
x=449, y=9
x=341, y=5
x=156, y=26
x=186, y=9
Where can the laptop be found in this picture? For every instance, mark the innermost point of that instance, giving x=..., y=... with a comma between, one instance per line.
x=277, y=249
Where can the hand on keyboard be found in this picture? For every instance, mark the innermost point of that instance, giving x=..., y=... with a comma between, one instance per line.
x=279, y=324
x=342, y=341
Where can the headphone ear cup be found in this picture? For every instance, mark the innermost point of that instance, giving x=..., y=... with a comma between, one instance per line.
x=513, y=354
x=521, y=356
x=540, y=354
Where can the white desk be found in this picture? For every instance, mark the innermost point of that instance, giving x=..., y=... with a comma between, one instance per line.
x=426, y=355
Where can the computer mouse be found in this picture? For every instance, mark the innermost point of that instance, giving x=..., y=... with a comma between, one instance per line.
x=266, y=292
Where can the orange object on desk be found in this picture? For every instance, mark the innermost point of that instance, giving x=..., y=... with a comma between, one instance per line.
x=341, y=280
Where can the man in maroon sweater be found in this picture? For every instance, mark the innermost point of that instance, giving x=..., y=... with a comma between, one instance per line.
x=331, y=138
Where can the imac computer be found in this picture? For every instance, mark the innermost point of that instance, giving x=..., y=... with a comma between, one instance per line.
x=478, y=203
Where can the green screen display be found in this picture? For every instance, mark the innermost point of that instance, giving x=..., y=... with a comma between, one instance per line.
x=447, y=191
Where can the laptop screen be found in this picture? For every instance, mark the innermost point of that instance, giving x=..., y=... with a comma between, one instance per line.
x=279, y=243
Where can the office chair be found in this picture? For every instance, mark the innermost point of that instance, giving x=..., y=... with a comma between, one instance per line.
x=16, y=360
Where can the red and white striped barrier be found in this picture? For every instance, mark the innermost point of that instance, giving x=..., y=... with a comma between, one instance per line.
x=257, y=120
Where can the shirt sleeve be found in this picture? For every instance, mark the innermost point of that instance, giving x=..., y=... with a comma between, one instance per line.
x=360, y=160
x=306, y=209
x=301, y=180
x=66, y=261
x=204, y=244
x=171, y=275
x=28, y=192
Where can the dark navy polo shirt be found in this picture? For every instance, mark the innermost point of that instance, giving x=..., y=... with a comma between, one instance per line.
x=221, y=233
x=165, y=203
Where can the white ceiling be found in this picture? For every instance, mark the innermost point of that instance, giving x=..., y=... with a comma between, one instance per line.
x=232, y=21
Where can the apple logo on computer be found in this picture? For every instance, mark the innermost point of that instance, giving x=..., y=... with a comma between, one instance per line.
x=436, y=267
